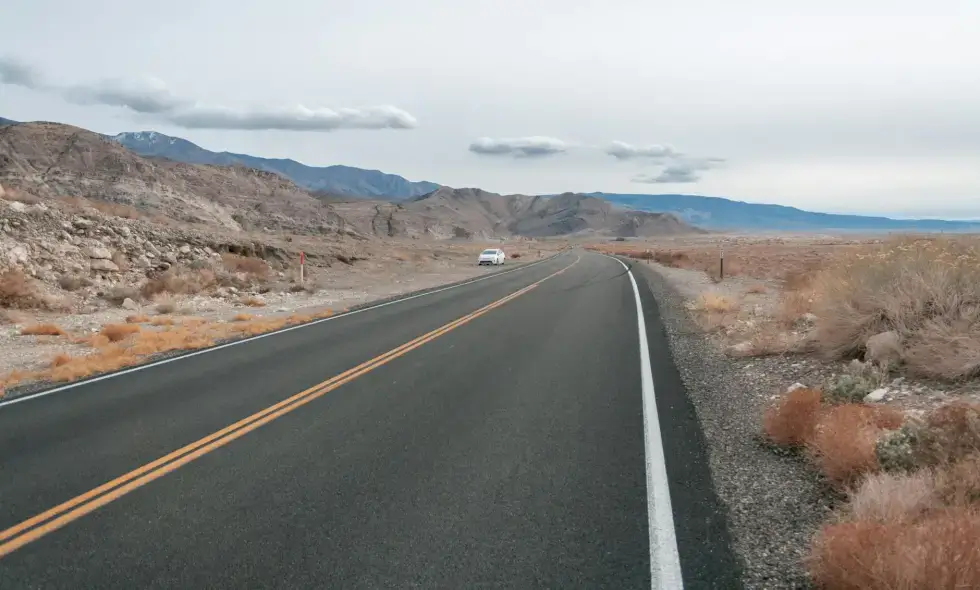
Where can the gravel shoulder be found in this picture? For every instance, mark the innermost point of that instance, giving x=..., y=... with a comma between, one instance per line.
x=775, y=503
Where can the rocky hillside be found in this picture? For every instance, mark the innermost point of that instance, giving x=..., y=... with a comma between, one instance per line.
x=465, y=213
x=54, y=160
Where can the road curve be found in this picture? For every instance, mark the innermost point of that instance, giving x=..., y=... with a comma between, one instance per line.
x=487, y=435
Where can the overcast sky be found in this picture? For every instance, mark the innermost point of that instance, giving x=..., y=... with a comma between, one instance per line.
x=851, y=106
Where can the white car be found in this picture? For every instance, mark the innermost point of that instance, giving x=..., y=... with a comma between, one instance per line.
x=491, y=256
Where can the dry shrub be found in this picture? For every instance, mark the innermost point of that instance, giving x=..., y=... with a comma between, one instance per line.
x=958, y=484
x=42, y=330
x=515, y=255
x=715, y=303
x=179, y=281
x=950, y=433
x=927, y=290
x=244, y=264
x=791, y=420
x=889, y=497
x=59, y=360
x=674, y=259
x=11, y=194
x=242, y=317
x=252, y=301
x=137, y=319
x=756, y=289
x=106, y=207
x=118, y=332
x=120, y=293
x=18, y=291
x=161, y=320
x=938, y=551
x=165, y=306
x=768, y=339
x=73, y=282
x=843, y=441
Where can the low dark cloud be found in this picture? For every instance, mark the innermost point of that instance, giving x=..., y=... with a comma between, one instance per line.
x=149, y=96
x=519, y=147
x=681, y=171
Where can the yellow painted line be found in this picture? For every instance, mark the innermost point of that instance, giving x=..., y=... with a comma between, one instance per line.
x=54, y=518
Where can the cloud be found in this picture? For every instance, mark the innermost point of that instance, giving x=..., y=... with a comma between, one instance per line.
x=18, y=74
x=150, y=96
x=298, y=118
x=142, y=95
x=624, y=151
x=519, y=147
x=681, y=171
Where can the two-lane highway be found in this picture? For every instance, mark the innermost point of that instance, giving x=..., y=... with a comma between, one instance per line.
x=490, y=434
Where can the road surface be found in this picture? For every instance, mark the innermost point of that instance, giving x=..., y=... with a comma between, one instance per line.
x=491, y=434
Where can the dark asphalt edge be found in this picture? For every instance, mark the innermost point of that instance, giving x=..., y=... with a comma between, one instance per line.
x=39, y=387
x=702, y=520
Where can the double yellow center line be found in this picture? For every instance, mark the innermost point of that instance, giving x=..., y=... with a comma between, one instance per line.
x=53, y=519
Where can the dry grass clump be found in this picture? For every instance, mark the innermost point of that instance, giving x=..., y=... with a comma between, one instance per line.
x=42, y=330
x=843, y=444
x=137, y=319
x=925, y=289
x=105, y=207
x=242, y=317
x=18, y=291
x=118, y=332
x=715, y=303
x=60, y=359
x=70, y=282
x=179, y=281
x=120, y=293
x=11, y=194
x=162, y=320
x=252, y=301
x=244, y=264
x=792, y=419
x=938, y=551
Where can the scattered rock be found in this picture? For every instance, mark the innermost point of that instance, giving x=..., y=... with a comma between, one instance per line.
x=104, y=265
x=130, y=304
x=82, y=223
x=17, y=206
x=185, y=249
x=877, y=395
x=98, y=253
x=795, y=386
x=18, y=255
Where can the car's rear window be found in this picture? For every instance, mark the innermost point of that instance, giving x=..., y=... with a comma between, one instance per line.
x=489, y=251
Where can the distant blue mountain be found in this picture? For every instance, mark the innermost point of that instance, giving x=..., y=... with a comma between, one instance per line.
x=725, y=214
x=343, y=180
x=7, y=121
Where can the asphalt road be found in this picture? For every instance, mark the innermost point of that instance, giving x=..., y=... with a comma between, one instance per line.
x=505, y=450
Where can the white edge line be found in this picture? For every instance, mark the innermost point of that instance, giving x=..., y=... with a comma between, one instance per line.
x=665, y=563
x=188, y=355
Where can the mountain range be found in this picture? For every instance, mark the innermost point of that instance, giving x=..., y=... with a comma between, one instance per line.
x=51, y=160
x=333, y=183
x=726, y=214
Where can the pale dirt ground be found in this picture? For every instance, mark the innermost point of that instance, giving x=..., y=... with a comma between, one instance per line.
x=394, y=268
x=757, y=271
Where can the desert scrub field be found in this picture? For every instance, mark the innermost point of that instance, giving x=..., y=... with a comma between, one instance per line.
x=888, y=334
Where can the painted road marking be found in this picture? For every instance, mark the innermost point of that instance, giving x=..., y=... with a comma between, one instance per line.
x=665, y=562
x=188, y=355
x=55, y=518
